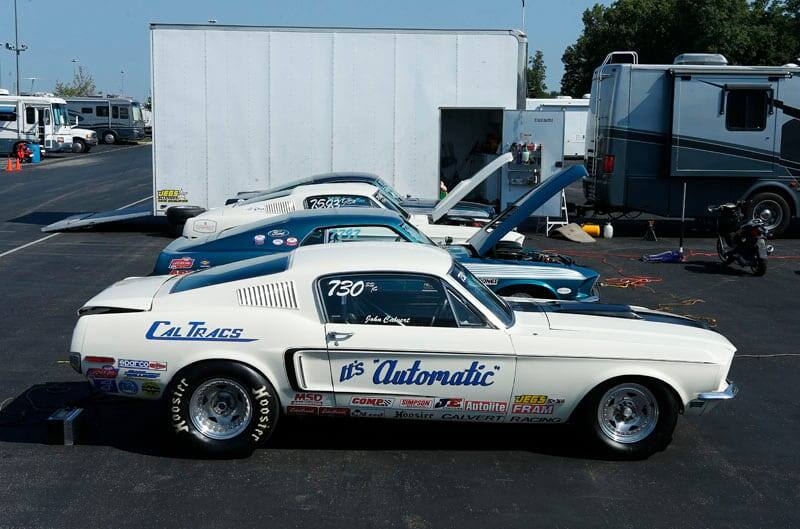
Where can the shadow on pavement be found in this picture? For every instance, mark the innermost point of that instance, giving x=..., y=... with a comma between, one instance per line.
x=710, y=267
x=137, y=426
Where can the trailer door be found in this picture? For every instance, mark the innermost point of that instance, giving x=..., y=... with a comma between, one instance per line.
x=722, y=126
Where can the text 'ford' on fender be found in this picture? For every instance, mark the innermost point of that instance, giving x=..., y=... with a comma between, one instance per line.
x=386, y=330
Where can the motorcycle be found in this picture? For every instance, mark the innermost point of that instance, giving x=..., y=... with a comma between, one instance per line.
x=741, y=239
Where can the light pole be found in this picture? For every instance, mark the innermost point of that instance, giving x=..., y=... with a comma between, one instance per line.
x=122, y=82
x=74, y=67
x=523, y=16
x=17, y=47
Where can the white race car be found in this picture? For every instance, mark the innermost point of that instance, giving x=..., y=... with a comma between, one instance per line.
x=346, y=195
x=394, y=331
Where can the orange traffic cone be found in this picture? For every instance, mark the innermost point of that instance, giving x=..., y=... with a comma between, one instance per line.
x=9, y=166
x=19, y=167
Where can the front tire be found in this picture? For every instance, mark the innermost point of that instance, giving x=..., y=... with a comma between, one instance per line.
x=759, y=267
x=725, y=258
x=79, y=146
x=221, y=409
x=630, y=419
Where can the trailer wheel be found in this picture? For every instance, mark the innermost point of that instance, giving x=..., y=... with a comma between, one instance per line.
x=109, y=137
x=79, y=146
x=775, y=209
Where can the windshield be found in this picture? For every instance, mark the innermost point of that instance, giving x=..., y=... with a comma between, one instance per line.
x=388, y=190
x=60, y=114
x=415, y=235
x=137, y=113
x=391, y=204
x=482, y=293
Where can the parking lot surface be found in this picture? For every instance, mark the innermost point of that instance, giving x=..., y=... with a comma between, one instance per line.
x=737, y=466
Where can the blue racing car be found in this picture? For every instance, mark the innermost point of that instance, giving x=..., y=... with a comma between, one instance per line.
x=509, y=270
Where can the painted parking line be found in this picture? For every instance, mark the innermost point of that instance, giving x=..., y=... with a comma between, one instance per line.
x=37, y=241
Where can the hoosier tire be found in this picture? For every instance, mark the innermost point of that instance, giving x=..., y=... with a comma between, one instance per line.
x=221, y=409
x=629, y=419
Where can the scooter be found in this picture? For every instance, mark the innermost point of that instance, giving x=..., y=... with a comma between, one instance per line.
x=740, y=239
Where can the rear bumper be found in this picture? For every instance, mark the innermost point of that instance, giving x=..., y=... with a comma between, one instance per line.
x=708, y=400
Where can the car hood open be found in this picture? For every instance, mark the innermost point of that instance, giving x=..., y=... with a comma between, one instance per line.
x=488, y=236
x=466, y=186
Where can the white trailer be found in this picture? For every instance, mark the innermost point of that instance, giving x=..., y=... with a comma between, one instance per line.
x=247, y=108
x=575, y=111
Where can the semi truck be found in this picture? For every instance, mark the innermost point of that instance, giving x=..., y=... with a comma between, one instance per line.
x=727, y=132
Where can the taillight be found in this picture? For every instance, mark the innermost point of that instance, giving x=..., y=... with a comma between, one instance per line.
x=755, y=231
x=608, y=163
x=105, y=360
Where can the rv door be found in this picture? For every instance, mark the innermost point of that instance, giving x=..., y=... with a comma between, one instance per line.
x=722, y=126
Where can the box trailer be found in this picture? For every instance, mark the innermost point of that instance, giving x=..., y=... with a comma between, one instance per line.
x=728, y=132
x=247, y=108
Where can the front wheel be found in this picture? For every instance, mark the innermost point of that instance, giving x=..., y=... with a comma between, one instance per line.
x=221, y=409
x=630, y=419
x=79, y=146
x=759, y=266
x=724, y=257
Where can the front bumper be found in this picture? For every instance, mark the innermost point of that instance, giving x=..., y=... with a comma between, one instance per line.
x=708, y=400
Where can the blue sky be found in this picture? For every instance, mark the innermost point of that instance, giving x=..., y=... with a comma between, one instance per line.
x=110, y=36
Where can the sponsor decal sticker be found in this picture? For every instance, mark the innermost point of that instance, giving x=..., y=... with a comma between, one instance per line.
x=488, y=281
x=486, y=406
x=142, y=364
x=334, y=412
x=141, y=374
x=291, y=241
x=106, y=385
x=302, y=410
x=391, y=373
x=372, y=402
x=175, y=400
x=204, y=226
x=535, y=405
x=368, y=413
x=259, y=240
x=532, y=419
x=151, y=388
x=205, y=264
x=278, y=233
x=401, y=414
x=468, y=417
x=128, y=386
x=277, y=242
x=195, y=331
x=105, y=372
x=564, y=290
x=172, y=196
x=309, y=399
x=414, y=403
x=181, y=263
x=450, y=403
x=180, y=272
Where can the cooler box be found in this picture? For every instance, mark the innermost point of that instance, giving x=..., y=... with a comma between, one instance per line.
x=36, y=152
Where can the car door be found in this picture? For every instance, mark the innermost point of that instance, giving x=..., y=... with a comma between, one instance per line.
x=407, y=346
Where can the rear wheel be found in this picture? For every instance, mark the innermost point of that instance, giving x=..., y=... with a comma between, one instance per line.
x=725, y=258
x=221, y=408
x=773, y=209
x=759, y=267
x=630, y=419
x=109, y=138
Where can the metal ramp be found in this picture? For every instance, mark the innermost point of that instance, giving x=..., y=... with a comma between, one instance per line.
x=83, y=220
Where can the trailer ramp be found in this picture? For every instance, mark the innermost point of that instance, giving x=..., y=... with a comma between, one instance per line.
x=85, y=220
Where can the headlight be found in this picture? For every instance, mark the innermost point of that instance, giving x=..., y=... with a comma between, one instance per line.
x=89, y=136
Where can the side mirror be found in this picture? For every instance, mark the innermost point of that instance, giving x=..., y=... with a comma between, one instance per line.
x=448, y=240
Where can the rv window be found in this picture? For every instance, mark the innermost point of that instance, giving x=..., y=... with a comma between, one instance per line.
x=30, y=115
x=86, y=110
x=102, y=112
x=746, y=110
x=114, y=112
x=8, y=114
x=123, y=112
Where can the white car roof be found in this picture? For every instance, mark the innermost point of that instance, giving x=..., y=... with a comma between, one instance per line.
x=341, y=188
x=371, y=256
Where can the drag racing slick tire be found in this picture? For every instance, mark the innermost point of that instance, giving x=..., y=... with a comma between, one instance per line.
x=629, y=418
x=221, y=408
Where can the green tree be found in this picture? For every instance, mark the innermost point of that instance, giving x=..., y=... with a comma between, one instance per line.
x=82, y=84
x=148, y=104
x=746, y=32
x=536, y=74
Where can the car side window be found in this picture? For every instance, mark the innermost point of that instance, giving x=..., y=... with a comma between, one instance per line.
x=338, y=201
x=352, y=234
x=406, y=300
x=465, y=314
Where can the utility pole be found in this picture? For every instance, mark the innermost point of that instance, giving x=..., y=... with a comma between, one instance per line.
x=16, y=48
x=523, y=17
x=122, y=82
x=74, y=67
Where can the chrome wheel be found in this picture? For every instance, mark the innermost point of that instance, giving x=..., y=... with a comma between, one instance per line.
x=770, y=212
x=220, y=409
x=627, y=413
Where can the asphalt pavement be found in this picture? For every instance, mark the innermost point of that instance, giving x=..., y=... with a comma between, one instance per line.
x=736, y=467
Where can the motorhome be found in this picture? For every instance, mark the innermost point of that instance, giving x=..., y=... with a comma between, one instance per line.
x=113, y=118
x=80, y=140
x=726, y=132
x=30, y=119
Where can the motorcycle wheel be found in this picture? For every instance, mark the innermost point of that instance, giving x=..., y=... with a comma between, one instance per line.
x=759, y=267
x=725, y=258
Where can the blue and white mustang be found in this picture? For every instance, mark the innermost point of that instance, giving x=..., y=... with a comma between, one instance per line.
x=509, y=270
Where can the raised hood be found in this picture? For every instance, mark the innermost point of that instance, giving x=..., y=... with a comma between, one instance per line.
x=486, y=238
x=466, y=186
x=133, y=293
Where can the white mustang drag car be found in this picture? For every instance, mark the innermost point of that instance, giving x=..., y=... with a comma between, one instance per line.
x=347, y=195
x=393, y=331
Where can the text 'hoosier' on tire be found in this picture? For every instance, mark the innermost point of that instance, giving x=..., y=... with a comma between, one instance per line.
x=221, y=408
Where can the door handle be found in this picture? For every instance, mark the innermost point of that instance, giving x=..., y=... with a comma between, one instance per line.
x=336, y=336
